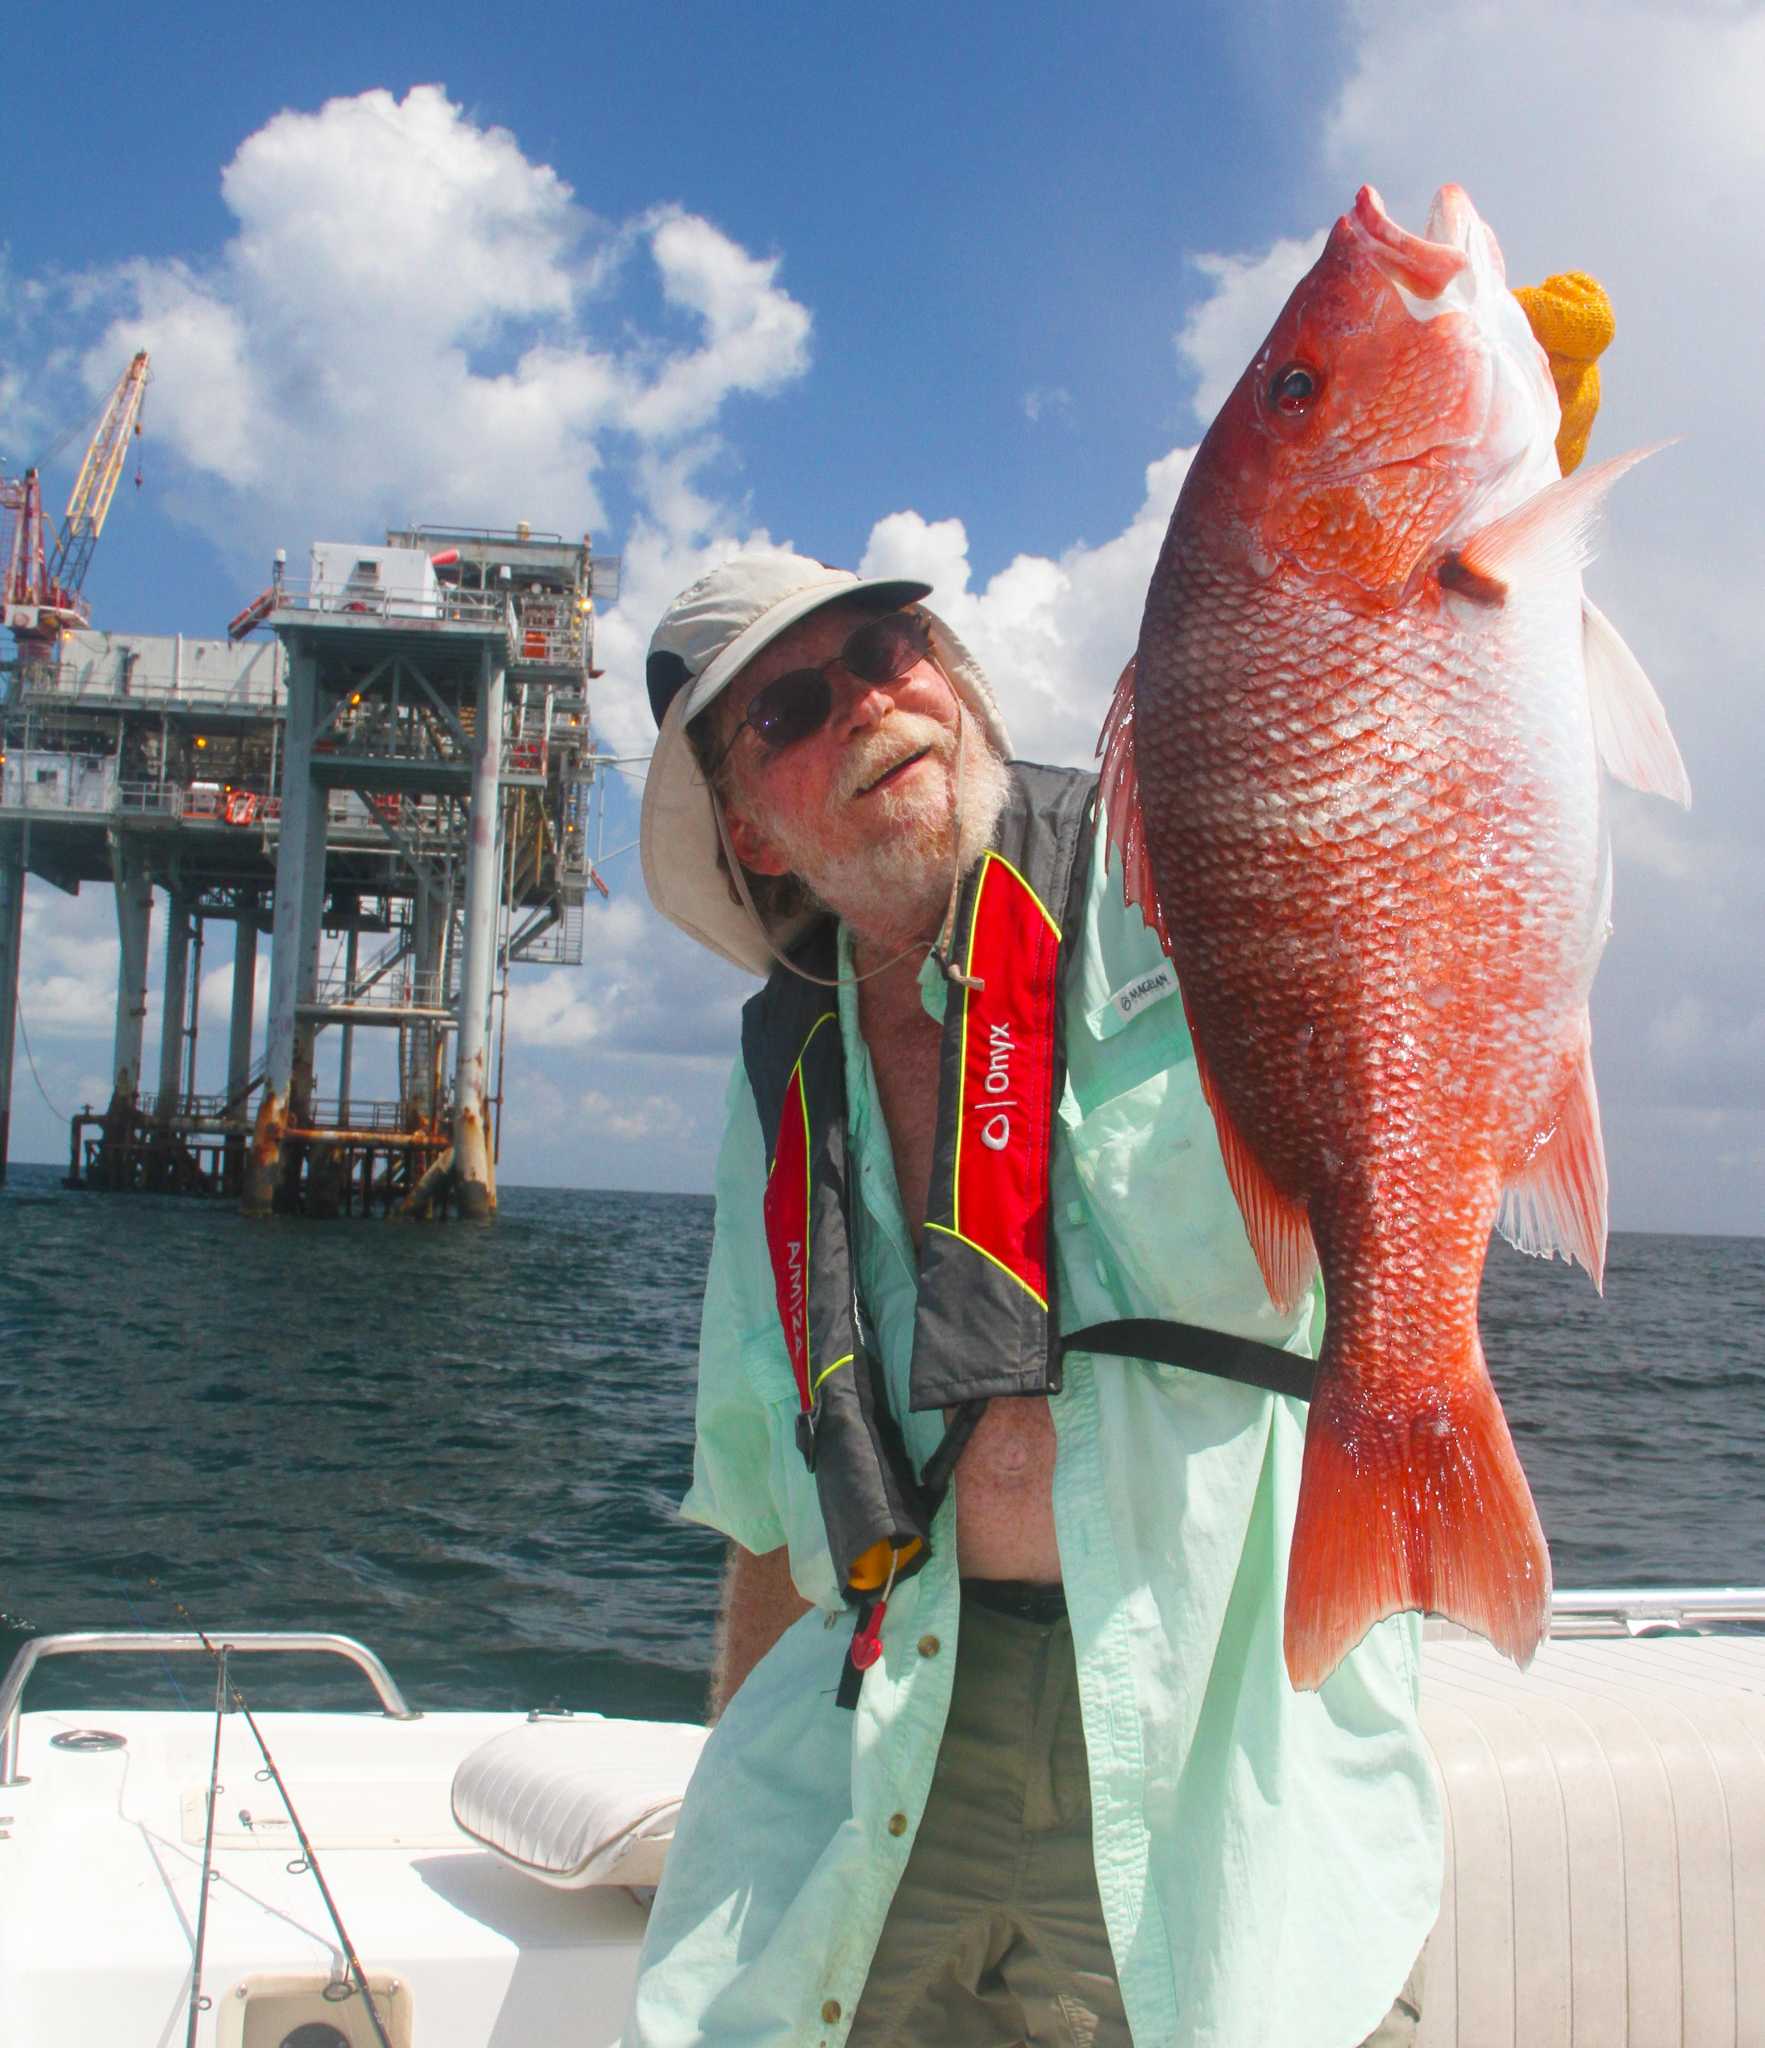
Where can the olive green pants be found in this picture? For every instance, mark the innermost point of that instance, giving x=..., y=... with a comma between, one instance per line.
x=996, y=1937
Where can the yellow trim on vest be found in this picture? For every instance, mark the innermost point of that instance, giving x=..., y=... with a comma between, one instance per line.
x=1027, y=890
x=989, y=1257
x=826, y=1372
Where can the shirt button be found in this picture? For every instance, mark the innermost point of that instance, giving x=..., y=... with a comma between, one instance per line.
x=897, y=1823
x=929, y=1646
x=830, y=2012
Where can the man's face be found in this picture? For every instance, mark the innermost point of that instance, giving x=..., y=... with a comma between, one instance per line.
x=864, y=805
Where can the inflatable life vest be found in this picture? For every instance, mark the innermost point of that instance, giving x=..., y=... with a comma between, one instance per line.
x=986, y=1323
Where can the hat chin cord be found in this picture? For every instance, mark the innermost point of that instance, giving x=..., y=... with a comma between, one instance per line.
x=946, y=932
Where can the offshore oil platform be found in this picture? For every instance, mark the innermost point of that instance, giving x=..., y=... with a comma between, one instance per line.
x=394, y=749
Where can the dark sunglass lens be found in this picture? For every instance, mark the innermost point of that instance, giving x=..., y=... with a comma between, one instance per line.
x=791, y=707
x=886, y=648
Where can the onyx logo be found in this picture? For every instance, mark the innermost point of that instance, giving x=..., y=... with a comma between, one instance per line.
x=996, y=1110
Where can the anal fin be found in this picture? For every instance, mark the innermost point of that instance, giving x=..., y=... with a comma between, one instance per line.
x=1557, y=1202
x=1629, y=726
x=1119, y=794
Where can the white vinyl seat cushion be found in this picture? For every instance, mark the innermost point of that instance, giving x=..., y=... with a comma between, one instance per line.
x=578, y=1802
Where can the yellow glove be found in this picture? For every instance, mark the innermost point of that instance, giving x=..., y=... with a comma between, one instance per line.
x=1572, y=318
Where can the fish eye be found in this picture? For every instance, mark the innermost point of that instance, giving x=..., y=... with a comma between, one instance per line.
x=1293, y=389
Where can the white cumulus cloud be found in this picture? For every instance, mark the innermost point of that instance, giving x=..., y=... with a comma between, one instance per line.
x=413, y=319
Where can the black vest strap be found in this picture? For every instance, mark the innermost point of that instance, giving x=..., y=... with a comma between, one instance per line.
x=1199, y=1350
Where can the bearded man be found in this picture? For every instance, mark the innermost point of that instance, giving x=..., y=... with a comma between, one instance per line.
x=1005, y=1748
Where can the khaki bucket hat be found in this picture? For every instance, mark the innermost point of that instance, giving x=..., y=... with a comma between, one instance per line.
x=706, y=638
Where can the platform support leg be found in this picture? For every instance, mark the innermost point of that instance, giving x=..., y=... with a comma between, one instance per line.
x=12, y=910
x=174, y=999
x=300, y=882
x=346, y=1056
x=475, y=1177
x=134, y=923
x=239, y=1032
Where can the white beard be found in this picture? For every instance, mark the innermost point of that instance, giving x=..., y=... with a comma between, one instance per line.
x=896, y=888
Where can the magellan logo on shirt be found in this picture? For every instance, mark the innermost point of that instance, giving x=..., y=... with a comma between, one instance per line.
x=996, y=1131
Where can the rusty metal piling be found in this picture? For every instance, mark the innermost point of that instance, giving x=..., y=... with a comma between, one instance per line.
x=300, y=879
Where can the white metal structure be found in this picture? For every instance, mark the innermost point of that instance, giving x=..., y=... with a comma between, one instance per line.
x=1605, y=1880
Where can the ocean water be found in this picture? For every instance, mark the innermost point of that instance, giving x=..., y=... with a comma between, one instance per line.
x=464, y=1445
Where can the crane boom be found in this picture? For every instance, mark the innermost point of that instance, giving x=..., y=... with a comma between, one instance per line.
x=96, y=483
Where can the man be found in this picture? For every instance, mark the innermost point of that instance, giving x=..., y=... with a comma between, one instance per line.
x=1026, y=1768
x=1075, y=1794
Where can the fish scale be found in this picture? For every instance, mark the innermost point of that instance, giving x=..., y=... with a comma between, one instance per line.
x=1353, y=779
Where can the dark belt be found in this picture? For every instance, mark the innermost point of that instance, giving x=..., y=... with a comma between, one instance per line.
x=1020, y=1599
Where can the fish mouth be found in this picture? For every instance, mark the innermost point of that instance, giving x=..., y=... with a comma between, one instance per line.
x=1432, y=273
x=894, y=768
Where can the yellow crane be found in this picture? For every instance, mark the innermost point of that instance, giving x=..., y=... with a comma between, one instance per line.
x=40, y=594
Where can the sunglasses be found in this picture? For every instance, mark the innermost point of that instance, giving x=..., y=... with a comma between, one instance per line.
x=796, y=704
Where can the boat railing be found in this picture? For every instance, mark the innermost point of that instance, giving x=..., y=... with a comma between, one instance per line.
x=1655, y=1610
x=1637, y=1611
x=161, y=1642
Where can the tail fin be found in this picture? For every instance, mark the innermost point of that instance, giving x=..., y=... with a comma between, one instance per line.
x=1427, y=1510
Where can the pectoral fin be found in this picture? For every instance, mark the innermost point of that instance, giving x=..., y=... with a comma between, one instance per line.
x=1552, y=533
x=1119, y=794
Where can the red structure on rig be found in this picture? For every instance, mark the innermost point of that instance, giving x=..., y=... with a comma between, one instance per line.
x=40, y=585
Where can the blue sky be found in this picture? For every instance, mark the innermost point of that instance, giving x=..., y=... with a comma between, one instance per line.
x=937, y=290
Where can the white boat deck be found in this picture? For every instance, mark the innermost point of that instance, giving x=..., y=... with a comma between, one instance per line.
x=101, y=1876
x=1605, y=1880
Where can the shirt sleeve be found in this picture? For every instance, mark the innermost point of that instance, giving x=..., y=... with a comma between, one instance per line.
x=741, y=1347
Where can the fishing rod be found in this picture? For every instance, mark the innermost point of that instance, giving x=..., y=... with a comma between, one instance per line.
x=227, y=1690
x=199, y=2001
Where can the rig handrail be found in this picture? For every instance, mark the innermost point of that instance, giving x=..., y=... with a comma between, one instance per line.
x=108, y=1642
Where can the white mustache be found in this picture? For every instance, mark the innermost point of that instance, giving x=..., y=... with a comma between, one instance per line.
x=907, y=733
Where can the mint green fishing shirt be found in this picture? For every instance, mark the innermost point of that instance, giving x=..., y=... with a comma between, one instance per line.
x=1269, y=1862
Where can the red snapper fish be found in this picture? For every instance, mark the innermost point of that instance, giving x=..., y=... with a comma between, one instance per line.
x=1353, y=775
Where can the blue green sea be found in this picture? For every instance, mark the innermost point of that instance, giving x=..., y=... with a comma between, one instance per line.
x=464, y=1444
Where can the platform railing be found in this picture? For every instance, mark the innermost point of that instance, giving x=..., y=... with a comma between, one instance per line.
x=396, y=992
x=163, y=1642
x=327, y=1113
x=485, y=608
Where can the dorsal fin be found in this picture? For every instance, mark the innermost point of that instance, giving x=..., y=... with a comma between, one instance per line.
x=1119, y=794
